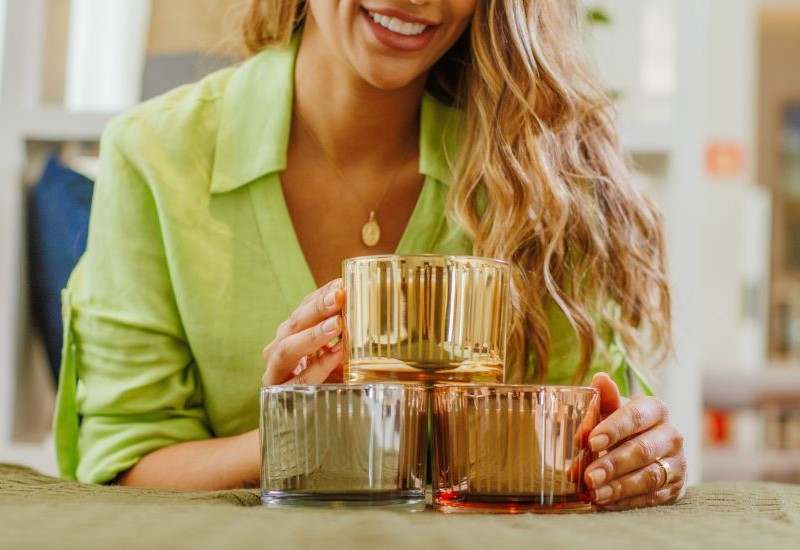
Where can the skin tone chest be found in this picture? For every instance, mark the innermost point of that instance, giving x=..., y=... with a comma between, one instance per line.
x=327, y=216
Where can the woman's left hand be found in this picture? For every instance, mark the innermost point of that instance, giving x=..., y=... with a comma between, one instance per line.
x=642, y=461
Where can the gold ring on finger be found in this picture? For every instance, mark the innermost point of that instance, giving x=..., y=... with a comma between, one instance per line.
x=668, y=476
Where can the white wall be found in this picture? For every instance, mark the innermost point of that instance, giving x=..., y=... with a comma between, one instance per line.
x=737, y=211
x=733, y=74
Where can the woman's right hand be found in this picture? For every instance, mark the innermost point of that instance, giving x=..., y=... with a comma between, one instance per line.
x=301, y=352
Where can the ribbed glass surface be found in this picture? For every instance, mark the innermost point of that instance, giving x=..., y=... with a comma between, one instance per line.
x=426, y=318
x=512, y=448
x=344, y=444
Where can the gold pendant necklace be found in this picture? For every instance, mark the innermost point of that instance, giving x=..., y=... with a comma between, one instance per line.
x=371, y=231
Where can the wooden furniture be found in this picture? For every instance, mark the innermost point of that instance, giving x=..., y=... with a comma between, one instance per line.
x=779, y=169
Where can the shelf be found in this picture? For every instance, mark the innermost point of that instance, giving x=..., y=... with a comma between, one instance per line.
x=728, y=389
x=725, y=464
x=648, y=139
x=54, y=124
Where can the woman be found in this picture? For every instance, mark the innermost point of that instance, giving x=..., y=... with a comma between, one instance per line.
x=351, y=130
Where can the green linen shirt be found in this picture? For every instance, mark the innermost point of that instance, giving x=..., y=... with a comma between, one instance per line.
x=192, y=262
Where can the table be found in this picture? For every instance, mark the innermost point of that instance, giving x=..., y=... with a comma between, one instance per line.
x=38, y=511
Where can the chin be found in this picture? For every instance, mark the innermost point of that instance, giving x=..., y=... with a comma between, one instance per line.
x=388, y=76
x=389, y=83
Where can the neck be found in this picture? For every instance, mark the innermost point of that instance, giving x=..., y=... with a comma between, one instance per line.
x=347, y=115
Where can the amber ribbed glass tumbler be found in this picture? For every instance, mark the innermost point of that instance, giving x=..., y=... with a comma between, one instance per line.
x=426, y=318
x=511, y=449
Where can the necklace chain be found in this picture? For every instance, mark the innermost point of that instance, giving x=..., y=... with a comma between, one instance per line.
x=371, y=230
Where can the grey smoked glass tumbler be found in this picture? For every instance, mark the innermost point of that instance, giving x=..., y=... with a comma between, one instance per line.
x=344, y=445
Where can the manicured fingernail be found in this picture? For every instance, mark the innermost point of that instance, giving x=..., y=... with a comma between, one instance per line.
x=597, y=477
x=603, y=493
x=330, y=299
x=599, y=443
x=331, y=325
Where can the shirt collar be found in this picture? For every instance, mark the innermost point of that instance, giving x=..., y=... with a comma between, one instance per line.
x=256, y=117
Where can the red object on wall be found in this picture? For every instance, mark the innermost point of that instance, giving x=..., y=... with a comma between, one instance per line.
x=725, y=160
x=717, y=427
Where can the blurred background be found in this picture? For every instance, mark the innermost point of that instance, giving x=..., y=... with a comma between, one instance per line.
x=708, y=96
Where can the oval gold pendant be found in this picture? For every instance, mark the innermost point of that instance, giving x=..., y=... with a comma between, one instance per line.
x=371, y=231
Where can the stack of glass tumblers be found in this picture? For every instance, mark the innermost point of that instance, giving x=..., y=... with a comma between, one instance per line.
x=425, y=340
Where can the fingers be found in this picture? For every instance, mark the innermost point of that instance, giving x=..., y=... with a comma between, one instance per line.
x=629, y=420
x=668, y=495
x=309, y=330
x=607, y=387
x=283, y=356
x=631, y=441
x=610, y=398
x=634, y=454
x=645, y=481
x=316, y=307
x=323, y=368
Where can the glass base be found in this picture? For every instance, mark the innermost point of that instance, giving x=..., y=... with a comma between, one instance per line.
x=510, y=504
x=383, y=370
x=409, y=501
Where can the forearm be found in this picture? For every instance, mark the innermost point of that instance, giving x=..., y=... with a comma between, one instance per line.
x=209, y=465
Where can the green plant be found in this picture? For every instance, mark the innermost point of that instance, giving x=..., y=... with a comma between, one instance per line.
x=597, y=16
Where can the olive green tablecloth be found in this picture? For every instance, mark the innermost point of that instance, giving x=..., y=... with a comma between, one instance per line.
x=39, y=511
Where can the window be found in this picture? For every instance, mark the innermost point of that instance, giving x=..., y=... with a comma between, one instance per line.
x=106, y=53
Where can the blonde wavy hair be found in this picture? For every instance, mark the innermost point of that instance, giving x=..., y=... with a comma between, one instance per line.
x=544, y=158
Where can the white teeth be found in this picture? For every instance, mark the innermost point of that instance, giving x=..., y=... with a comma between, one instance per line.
x=398, y=26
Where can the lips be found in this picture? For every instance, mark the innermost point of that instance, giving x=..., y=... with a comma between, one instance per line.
x=397, y=25
x=398, y=30
x=401, y=15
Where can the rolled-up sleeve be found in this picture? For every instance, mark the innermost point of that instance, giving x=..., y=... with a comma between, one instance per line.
x=129, y=384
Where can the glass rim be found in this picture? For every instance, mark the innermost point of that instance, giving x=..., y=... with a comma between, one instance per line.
x=401, y=257
x=456, y=386
x=351, y=386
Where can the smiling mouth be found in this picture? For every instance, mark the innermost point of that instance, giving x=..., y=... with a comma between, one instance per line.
x=396, y=25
